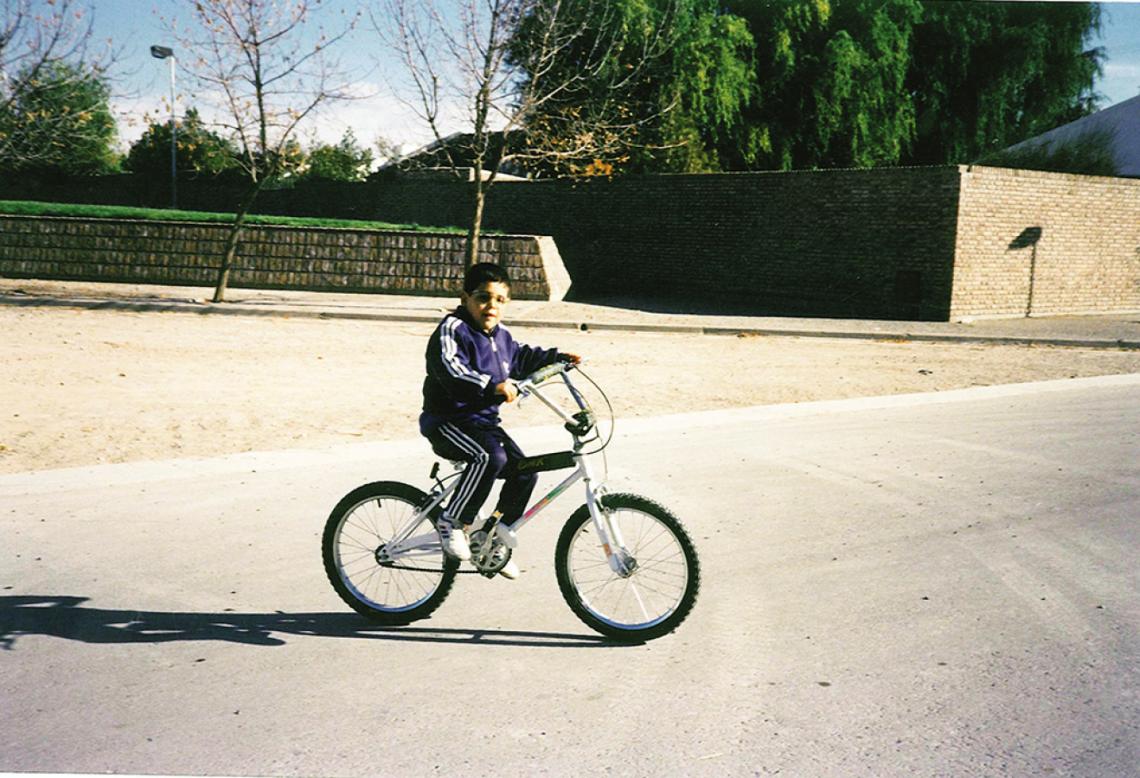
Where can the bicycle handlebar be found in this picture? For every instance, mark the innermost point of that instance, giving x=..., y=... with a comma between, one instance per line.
x=581, y=422
x=542, y=375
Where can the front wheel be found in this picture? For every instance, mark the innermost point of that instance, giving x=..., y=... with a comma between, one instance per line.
x=659, y=577
x=378, y=579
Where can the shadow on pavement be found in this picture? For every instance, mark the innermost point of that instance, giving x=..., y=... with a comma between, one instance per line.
x=64, y=617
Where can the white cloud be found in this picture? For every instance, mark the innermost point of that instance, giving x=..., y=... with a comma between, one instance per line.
x=1122, y=70
x=373, y=114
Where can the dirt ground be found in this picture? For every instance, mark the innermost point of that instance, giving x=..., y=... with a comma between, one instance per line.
x=82, y=387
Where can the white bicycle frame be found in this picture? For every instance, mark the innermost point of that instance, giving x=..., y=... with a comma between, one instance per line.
x=404, y=544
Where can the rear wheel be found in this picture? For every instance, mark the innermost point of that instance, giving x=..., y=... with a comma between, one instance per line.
x=387, y=588
x=655, y=592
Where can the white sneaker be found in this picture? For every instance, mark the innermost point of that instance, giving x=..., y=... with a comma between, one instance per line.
x=453, y=539
x=510, y=570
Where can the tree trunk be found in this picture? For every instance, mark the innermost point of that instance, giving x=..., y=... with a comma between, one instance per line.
x=472, y=253
x=228, y=259
x=243, y=209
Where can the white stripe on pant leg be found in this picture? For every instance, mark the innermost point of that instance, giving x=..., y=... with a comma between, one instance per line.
x=455, y=436
x=472, y=475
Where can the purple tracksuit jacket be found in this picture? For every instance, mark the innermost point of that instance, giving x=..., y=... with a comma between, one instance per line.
x=463, y=366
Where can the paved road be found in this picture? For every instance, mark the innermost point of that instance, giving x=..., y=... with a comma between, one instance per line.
x=933, y=585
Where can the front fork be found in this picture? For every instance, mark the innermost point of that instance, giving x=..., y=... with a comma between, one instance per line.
x=609, y=533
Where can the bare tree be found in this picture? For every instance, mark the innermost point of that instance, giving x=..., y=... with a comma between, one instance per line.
x=265, y=70
x=466, y=64
x=387, y=149
x=44, y=44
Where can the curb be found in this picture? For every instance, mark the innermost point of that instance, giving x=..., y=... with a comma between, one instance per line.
x=237, y=309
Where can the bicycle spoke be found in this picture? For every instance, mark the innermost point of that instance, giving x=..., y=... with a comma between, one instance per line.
x=655, y=587
x=640, y=602
x=392, y=585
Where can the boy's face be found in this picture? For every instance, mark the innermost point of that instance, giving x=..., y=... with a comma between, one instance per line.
x=486, y=304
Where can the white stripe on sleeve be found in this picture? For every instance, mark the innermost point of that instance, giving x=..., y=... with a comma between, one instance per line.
x=456, y=366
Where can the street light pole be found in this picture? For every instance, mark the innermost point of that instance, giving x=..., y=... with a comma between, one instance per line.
x=165, y=52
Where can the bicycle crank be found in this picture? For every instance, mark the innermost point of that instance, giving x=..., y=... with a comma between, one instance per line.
x=488, y=555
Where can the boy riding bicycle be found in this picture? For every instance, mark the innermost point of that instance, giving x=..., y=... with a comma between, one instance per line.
x=472, y=362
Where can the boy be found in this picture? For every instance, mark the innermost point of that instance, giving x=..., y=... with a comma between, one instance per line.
x=471, y=361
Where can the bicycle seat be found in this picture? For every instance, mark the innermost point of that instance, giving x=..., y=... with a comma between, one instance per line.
x=457, y=467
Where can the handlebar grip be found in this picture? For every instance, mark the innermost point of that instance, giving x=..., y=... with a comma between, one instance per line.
x=546, y=373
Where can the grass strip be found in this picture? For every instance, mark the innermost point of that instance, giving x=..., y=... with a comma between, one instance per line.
x=82, y=211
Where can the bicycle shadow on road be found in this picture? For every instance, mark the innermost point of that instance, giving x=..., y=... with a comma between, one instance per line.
x=65, y=617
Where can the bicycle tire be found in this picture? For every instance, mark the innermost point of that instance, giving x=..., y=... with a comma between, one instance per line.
x=663, y=588
x=393, y=593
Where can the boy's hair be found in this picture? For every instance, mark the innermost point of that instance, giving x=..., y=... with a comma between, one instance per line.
x=484, y=273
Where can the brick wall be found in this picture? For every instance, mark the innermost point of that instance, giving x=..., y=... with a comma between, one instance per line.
x=870, y=243
x=1046, y=243
x=268, y=257
x=932, y=243
x=874, y=243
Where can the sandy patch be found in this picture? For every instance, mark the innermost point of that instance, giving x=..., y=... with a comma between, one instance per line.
x=83, y=387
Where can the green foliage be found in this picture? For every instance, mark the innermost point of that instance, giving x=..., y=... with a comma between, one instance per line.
x=884, y=82
x=198, y=150
x=277, y=165
x=667, y=79
x=794, y=84
x=831, y=89
x=788, y=45
x=701, y=88
x=344, y=161
x=988, y=75
x=61, y=121
x=1087, y=154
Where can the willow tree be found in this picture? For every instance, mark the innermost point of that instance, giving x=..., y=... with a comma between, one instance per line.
x=831, y=84
x=987, y=75
x=476, y=89
x=264, y=66
x=710, y=76
x=685, y=98
x=885, y=82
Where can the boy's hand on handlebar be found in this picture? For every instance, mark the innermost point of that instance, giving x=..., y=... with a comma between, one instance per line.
x=508, y=389
x=570, y=359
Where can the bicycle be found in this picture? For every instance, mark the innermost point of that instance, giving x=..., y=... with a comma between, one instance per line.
x=625, y=564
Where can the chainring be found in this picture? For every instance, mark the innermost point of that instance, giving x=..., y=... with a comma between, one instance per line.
x=489, y=556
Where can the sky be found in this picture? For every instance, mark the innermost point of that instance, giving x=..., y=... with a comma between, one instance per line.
x=144, y=86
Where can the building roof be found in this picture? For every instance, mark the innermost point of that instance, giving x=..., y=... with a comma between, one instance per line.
x=433, y=161
x=1120, y=121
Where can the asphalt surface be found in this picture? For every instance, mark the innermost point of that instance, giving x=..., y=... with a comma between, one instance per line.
x=1100, y=331
x=928, y=585
x=940, y=584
